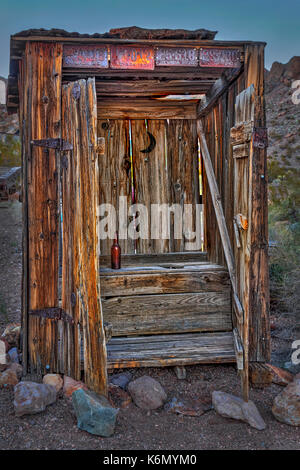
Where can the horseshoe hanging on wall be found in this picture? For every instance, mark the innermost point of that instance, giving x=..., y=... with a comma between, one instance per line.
x=152, y=144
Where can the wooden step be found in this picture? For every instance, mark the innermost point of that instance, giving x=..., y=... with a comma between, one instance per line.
x=202, y=277
x=170, y=350
x=168, y=313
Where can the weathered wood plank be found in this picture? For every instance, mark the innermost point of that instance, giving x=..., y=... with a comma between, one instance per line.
x=163, y=351
x=147, y=169
x=87, y=199
x=216, y=199
x=259, y=323
x=145, y=109
x=42, y=113
x=151, y=87
x=168, y=313
x=184, y=177
x=115, y=176
x=164, y=282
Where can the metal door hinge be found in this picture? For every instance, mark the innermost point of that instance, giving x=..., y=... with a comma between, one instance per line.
x=53, y=313
x=57, y=144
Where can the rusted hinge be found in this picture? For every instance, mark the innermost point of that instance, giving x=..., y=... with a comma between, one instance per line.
x=53, y=313
x=57, y=144
x=260, y=137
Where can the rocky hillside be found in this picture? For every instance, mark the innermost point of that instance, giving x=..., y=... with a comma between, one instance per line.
x=283, y=116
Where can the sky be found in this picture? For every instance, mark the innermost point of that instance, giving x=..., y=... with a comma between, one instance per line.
x=273, y=21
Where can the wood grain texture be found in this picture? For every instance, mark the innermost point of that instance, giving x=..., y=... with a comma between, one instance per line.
x=182, y=144
x=150, y=87
x=171, y=350
x=145, y=109
x=115, y=176
x=151, y=179
x=41, y=111
x=168, y=313
x=259, y=322
x=165, y=282
x=81, y=293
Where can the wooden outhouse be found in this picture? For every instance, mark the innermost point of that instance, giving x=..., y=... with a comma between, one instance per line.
x=157, y=117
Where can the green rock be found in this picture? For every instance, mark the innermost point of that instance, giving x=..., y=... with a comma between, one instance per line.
x=94, y=413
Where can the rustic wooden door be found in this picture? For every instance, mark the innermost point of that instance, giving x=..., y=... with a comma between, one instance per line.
x=80, y=267
x=245, y=138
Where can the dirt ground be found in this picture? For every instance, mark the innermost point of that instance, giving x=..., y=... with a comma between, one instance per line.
x=136, y=429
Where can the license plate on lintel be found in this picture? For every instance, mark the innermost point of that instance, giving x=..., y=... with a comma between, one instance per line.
x=132, y=57
x=212, y=57
x=85, y=56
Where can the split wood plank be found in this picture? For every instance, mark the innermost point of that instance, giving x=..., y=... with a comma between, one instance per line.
x=170, y=350
x=82, y=235
x=164, y=283
x=168, y=313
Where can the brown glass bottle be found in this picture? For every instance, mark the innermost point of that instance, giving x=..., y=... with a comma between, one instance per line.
x=116, y=253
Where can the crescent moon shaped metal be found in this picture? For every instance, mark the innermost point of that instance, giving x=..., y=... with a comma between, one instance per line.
x=151, y=144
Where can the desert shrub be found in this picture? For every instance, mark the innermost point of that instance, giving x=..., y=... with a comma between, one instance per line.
x=284, y=229
x=10, y=151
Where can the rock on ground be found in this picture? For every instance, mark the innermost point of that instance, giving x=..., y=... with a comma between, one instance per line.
x=55, y=380
x=286, y=406
x=230, y=406
x=280, y=376
x=118, y=397
x=12, y=334
x=8, y=378
x=70, y=385
x=186, y=408
x=121, y=380
x=94, y=413
x=147, y=393
x=32, y=398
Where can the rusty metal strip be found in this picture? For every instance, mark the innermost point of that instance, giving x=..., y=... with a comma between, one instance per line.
x=260, y=137
x=52, y=313
x=58, y=144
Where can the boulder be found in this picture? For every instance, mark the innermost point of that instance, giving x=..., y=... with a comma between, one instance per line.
x=8, y=378
x=70, y=385
x=32, y=398
x=286, y=406
x=147, y=393
x=230, y=406
x=94, y=413
x=55, y=380
x=121, y=380
x=12, y=334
